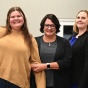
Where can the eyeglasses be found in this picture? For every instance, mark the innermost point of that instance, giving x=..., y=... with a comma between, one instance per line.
x=49, y=25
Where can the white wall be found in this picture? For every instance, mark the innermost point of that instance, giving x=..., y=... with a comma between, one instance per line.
x=35, y=10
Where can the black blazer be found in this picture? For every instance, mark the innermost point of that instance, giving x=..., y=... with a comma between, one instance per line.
x=63, y=58
x=79, y=66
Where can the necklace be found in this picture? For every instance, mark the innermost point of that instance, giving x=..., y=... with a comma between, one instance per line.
x=49, y=40
x=49, y=44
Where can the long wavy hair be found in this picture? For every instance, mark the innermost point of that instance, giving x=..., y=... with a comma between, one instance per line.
x=75, y=28
x=24, y=28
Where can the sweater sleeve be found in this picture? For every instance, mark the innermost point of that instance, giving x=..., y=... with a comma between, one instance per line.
x=35, y=58
x=2, y=31
x=39, y=76
x=66, y=60
x=84, y=77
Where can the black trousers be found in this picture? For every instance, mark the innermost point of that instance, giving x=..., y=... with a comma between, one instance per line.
x=6, y=84
x=49, y=87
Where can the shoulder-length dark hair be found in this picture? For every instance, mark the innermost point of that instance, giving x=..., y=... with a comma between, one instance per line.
x=24, y=28
x=53, y=18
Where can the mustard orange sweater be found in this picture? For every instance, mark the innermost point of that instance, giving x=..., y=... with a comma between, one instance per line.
x=15, y=59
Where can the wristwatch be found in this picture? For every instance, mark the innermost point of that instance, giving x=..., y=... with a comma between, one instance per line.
x=48, y=65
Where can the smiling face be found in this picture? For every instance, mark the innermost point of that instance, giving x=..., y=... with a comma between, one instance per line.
x=49, y=28
x=16, y=20
x=82, y=20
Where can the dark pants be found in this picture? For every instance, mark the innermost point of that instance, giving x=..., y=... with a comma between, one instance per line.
x=6, y=84
x=75, y=85
x=49, y=87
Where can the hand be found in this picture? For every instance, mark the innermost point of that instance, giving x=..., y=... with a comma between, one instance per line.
x=38, y=67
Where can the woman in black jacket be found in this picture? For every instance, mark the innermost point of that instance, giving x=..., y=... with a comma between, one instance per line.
x=55, y=54
x=79, y=43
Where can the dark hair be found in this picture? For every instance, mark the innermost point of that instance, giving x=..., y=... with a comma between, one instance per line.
x=24, y=28
x=53, y=18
